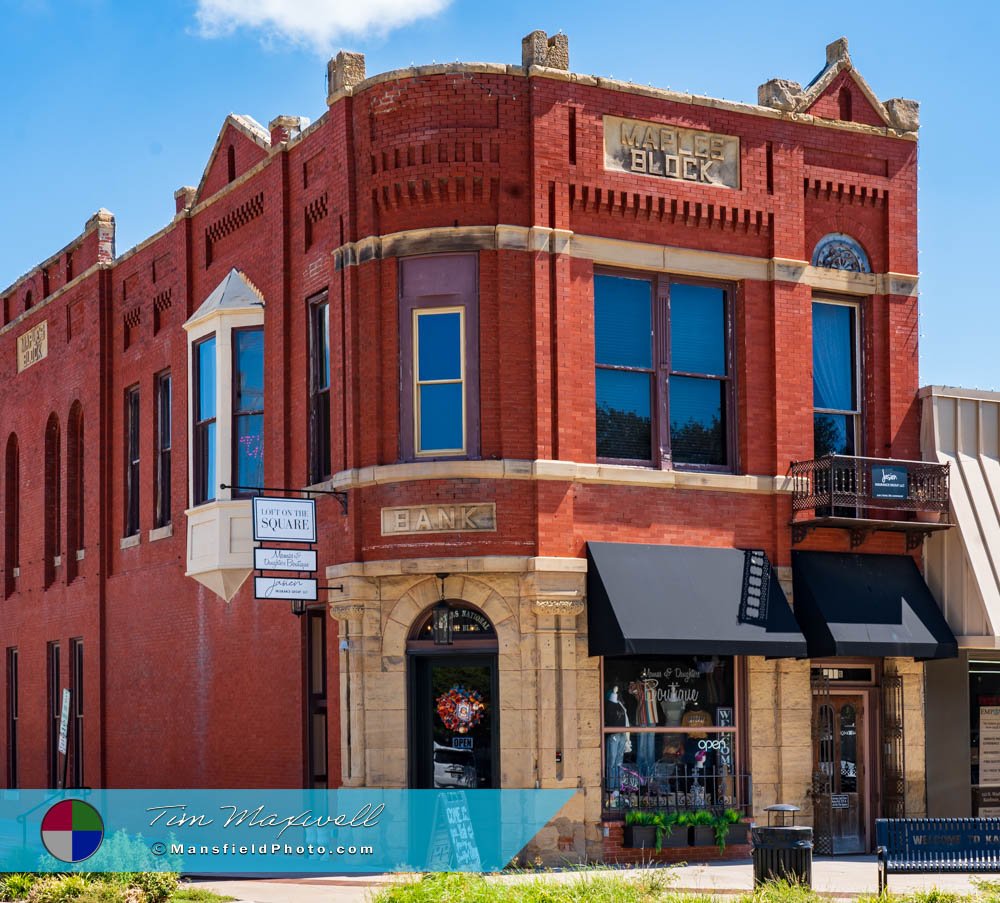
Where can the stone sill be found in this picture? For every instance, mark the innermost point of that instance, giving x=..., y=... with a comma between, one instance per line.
x=164, y=532
x=129, y=542
x=81, y=554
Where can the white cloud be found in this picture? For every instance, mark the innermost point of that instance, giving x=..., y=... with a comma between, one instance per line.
x=315, y=23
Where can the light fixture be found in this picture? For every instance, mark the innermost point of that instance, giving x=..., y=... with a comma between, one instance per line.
x=298, y=607
x=441, y=618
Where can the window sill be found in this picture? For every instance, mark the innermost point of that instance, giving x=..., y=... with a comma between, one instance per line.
x=57, y=561
x=129, y=542
x=15, y=572
x=164, y=532
x=81, y=554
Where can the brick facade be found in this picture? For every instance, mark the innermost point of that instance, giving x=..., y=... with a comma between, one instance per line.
x=506, y=162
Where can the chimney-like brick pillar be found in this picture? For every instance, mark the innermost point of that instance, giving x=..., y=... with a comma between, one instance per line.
x=284, y=129
x=345, y=70
x=538, y=49
x=184, y=197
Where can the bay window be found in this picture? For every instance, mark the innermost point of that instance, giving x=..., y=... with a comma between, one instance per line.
x=248, y=408
x=664, y=388
x=205, y=483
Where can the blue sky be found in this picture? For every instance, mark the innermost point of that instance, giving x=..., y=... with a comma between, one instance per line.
x=116, y=104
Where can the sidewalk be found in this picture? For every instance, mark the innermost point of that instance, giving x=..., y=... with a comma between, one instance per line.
x=842, y=876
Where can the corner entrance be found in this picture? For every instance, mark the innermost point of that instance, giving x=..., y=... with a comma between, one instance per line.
x=453, y=701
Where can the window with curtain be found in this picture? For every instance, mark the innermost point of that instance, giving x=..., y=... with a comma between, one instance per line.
x=663, y=371
x=204, y=421
x=131, y=461
x=164, y=441
x=319, y=389
x=837, y=411
x=53, y=500
x=248, y=409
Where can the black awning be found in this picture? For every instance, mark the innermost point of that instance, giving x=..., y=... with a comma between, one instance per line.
x=871, y=605
x=659, y=600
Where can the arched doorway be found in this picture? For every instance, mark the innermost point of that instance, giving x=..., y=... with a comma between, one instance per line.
x=453, y=700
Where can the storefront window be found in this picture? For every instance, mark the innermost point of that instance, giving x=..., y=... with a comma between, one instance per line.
x=984, y=722
x=670, y=733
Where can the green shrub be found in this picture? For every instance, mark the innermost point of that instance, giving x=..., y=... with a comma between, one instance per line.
x=642, y=817
x=187, y=893
x=16, y=885
x=156, y=886
x=58, y=889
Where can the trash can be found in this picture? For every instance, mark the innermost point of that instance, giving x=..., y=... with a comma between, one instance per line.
x=782, y=853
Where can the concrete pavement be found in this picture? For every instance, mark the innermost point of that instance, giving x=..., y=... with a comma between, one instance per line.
x=840, y=876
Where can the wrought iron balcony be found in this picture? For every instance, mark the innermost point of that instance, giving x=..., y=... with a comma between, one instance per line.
x=864, y=495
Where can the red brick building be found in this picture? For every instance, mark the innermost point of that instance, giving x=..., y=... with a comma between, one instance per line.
x=559, y=340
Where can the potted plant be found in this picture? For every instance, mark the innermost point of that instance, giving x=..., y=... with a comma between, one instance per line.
x=921, y=493
x=730, y=829
x=668, y=836
x=702, y=825
x=641, y=829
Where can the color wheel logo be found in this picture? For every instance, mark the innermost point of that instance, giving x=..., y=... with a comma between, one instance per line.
x=72, y=830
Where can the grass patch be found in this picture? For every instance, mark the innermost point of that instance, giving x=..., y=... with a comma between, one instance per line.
x=188, y=893
x=647, y=886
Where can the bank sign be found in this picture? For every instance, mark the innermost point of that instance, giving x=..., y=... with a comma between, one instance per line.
x=671, y=152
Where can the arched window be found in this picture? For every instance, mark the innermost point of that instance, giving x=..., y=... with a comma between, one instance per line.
x=12, y=516
x=231, y=159
x=53, y=502
x=845, y=100
x=838, y=251
x=74, y=489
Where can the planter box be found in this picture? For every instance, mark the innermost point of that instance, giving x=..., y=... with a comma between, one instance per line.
x=702, y=836
x=738, y=834
x=640, y=837
x=677, y=838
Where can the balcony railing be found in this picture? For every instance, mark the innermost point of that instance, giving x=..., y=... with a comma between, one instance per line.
x=869, y=493
x=675, y=789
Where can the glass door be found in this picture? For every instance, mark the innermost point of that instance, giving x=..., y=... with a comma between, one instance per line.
x=840, y=758
x=454, y=722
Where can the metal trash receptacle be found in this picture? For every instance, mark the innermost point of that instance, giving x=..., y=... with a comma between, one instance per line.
x=782, y=853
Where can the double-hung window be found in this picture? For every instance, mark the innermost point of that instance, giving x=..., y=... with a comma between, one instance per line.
x=836, y=406
x=248, y=408
x=664, y=387
x=132, y=461
x=204, y=421
x=439, y=346
x=164, y=394
x=319, y=389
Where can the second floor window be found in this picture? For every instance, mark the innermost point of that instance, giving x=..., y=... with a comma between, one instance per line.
x=319, y=390
x=248, y=408
x=164, y=427
x=664, y=389
x=204, y=421
x=132, y=461
x=836, y=409
x=439, y=348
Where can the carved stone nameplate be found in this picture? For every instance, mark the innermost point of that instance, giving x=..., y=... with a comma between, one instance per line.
x=671, y=152
x=466, y=517
x=33, y=345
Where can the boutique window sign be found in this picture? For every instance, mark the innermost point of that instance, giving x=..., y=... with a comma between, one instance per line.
x=669, y=729
x=671, y=152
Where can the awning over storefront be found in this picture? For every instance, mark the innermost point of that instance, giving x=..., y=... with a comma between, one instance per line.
x=650, y=599
x=870, y=605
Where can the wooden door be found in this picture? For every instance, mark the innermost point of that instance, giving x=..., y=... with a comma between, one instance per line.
x=840, y=755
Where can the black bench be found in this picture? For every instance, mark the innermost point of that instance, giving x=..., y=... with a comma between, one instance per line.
x=909, y=846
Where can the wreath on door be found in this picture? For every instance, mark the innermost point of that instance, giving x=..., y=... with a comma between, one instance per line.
x=461, y=709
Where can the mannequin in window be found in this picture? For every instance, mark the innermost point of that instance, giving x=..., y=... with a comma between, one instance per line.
x=615, y=715
x=647, y=714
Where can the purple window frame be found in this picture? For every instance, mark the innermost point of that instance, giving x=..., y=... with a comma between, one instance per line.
x=426, y=283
